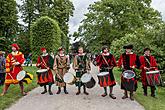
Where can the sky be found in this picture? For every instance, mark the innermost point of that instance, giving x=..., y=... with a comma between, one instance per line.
x=82, y=5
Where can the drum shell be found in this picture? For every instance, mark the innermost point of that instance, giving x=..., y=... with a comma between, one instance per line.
x=28, y=78
x=153, y=79
x=91, y=83
x=73, y=80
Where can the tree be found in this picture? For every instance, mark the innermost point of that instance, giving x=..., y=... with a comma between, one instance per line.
x=8, y=22
x=45, y=32
x=110, y=19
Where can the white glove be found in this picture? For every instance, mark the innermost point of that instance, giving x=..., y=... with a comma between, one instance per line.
x=17, y=63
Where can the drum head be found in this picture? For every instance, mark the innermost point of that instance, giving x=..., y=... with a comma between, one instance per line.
x=152, y=72
x=21, y=75
x=68, y=78
x=41, y=70
x=128, y=74
x=86, y=77
x=102, y=73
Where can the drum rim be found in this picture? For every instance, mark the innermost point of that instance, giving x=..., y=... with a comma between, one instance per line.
x=129, y=71
x=152, y=72
x=19, y=74
x=104, y=74
x=42, y=71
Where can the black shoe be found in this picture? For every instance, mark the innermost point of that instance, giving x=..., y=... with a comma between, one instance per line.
x=86, y=93
x=112, y=96
x=50, y=93
x=58, y=92
x=43, y=92
x=66, y=92
x=125, y=96
x=103, y=95
x=78, y=93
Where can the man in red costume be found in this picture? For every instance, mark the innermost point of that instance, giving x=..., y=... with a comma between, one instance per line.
x=45, y=61
x=13, y=67
x=148, y=63
x=106, y=62
x=128, y=61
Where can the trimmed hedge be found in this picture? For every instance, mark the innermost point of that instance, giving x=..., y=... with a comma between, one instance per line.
x=45, y=32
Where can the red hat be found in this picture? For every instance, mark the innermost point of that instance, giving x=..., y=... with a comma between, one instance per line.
x=16, y=46
x=42, y=49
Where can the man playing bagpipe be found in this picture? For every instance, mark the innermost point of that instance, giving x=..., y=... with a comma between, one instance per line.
x=128, y=62
x=45, y=75
x=148, y=64
x=81, y=65
x=61, y=66
x=106, y=62
x=14, y=60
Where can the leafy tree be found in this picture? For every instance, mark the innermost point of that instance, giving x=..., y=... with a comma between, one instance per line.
x=45, y=32
x=110, y=19
x=8, y=23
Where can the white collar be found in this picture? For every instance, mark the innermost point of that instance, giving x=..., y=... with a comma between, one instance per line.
x=13, y=53
x=45, y=54
x=129, y=53
x=106, y=54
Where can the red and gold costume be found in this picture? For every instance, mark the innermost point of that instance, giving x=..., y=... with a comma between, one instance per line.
x=11, y=69
x=43, y=62
x=129, y=62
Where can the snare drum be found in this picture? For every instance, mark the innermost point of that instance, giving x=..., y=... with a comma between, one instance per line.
x=153, y=78
x=88, y=80
x=105, y=80
x=69, y=78
x=42, y=75
x=24, y=76
x=128, y=80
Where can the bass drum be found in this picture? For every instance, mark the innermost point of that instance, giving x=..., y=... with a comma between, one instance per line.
x=88, y=80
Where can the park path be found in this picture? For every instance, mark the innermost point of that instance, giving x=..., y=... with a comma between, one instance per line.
x=35, y=101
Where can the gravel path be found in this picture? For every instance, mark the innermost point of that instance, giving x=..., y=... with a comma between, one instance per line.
x=35, y=101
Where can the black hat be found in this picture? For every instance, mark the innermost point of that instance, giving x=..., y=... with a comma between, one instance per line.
x=146, y=49
x=129, y=46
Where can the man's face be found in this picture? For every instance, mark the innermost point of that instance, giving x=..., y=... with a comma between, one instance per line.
x=147, y=53
x=61, y=51
x=105, y=50
x=44, y=51
x=80, y=50
x=14, y=49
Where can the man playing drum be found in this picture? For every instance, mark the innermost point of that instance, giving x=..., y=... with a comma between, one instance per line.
x=106, y=62
x=81, y=65
x=128, y=61
x=148, y=63
x=45, y=61
x=14, y=60
x=61, y=66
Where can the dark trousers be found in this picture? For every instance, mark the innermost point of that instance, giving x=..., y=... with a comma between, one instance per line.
x=2, y=78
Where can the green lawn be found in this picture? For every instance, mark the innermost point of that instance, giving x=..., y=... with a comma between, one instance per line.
x=14, y=91
x=148, y=102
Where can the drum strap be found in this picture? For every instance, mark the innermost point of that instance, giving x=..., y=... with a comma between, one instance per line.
x=106, y=62
x=147, y=61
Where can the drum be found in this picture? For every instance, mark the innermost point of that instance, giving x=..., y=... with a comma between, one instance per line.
x=24, y=76
x=69, y=78
x=128, y=80
x=153, y=78
x=88, y=80
x=42, y=75
x=128, y=74
x=104, y=79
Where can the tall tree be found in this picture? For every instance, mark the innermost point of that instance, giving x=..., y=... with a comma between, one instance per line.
x=8, y=22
